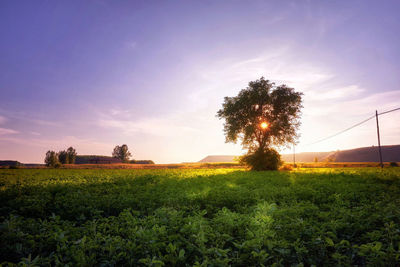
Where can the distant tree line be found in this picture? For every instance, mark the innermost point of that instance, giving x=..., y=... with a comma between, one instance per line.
x=54, y=159
x=142, y=161
x=122, y=153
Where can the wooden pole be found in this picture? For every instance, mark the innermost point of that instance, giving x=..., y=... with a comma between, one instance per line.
x=294, y=156
x=379, y=138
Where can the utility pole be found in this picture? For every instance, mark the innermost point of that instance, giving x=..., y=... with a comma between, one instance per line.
x=294, y=156
x=379, y=139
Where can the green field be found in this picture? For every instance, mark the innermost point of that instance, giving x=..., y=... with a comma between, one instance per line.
x=208, y=217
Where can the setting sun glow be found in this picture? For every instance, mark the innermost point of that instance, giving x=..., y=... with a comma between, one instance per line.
x=264, y=125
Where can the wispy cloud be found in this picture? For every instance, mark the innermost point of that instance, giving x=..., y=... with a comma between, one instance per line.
x=167, y=126
x=45, y=122
x=2, y=119
x=321, y=120
x=353, y=106
x=335, y=93
x=215, y=80
x=27, y=117
x=84, y=145
x=330, y=104
x=5, y=131
x=131, y=44
x=277, y=65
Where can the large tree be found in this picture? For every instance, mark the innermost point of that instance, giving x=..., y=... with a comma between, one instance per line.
x=51, y=159
x=63, y=157
x=262, y=116
x=122, y=152
x=67, y=156
x=71, y=155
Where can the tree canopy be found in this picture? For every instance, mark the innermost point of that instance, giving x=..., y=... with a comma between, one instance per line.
x=67, y=156
x=122, y=152
x=71, y=155
x=262, y=116
x=51, y=159
x=63, y=157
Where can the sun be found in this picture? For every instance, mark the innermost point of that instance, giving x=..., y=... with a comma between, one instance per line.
x=264, y=125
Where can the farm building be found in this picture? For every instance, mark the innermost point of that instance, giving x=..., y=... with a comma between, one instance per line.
x=95, y=159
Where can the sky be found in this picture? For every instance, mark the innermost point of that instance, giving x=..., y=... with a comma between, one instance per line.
x=153, y=74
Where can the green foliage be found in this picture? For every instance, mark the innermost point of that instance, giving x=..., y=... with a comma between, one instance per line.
x=51, y=159
x=122, y=153
x=262, y=101
x=142, y=161
x=262, y=160
x=71, y=155
x=67, y=156
x=207, y=217
x=394, y=164
x=331, y=158
x=17, y=166
x=63, y=157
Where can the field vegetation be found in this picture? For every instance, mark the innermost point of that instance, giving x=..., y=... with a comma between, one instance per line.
x=202, y=217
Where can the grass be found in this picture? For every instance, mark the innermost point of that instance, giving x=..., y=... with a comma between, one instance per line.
x=210, y=165
x=85, y=217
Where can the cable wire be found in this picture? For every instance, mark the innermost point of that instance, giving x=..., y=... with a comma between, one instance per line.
x=388, y=111
x=345, y=130
x=355, y=125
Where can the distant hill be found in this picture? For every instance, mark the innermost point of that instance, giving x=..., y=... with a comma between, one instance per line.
x=218, y=158
x=306, y=156
x=368, y=154
x=363, y=154
x=10, y=163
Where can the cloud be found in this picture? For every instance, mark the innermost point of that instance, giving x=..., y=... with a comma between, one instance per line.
x=277, y=65
x=125, y=113
x=2, y=120
x=353, y=107
x=81, y=144
x=4, y=131
x=131, y=44
x=330, y=104
x=167, y=126
x=324, y=118
x=44, y=122
x=26, y=117
x=218, y=79
x=334, y=93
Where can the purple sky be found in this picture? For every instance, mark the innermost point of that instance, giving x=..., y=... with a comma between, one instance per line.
x=152, y=74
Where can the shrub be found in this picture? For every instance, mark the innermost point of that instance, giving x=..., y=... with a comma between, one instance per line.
x=261, y=160
x=394, y=164
x=13, y=167
x=286, y=167
x=57, y=165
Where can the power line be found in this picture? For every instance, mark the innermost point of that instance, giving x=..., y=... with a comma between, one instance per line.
x=388, y=111
x=345, y=130
x=355, y=125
